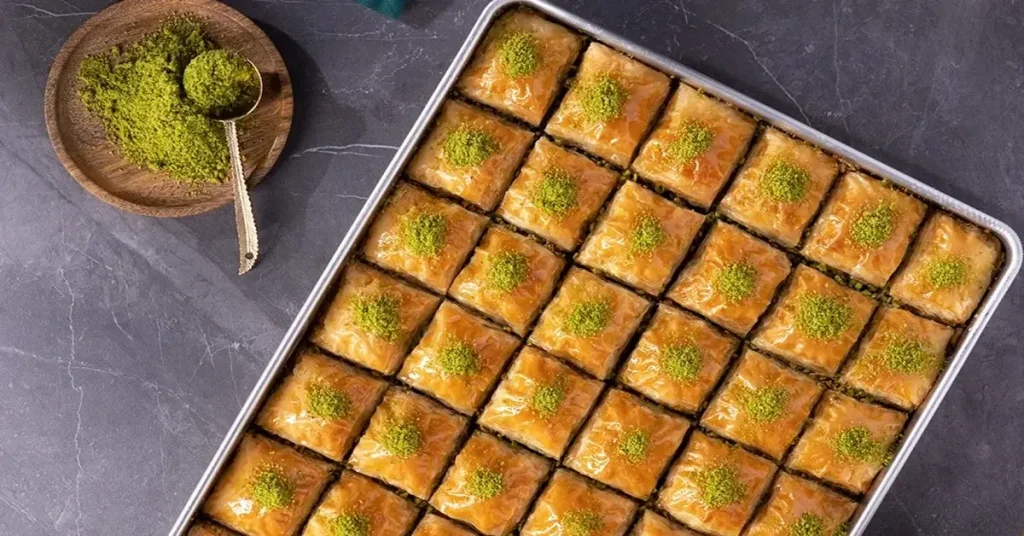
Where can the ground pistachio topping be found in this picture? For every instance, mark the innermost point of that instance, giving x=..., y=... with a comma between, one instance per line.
x=508, y=270
x=906, y=355
x=582, y=522
x=736, y=281
x=379, y=315
x=519, y=54
x=458, y=358
x=350, y=524
x=467, y=147
x=221, y=83
x=842, y=530
x=822, y=317
x=548, y=397
x=485, y=483
x=808, y=524
x=784, y=182
x=947, y=272
x=589, y=317
x=401, y=438
x=874, y=227
x=424, y=232
x=721, y=486
x=647, y=234
x=327, y=402
x=856, y=443
x=602, y=98
x=694, y=139
x=634, y=445
x=764, y=404
x=557, y=192
x=270, y=488
x=682, y=361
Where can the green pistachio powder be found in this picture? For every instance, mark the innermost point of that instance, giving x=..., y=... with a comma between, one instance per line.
x=857, y=444
x=458, y=358
x=810, y=524
x=485, y=483
x=507, y=271
x=647, y=235
x=468, y=147
x=423, y=233
x=557, y=192
x=582, y=522
x=326, y=402
x=588, y=318
x=764, y=404
x=784, y=182
x=519, y=54
x=737, y=281
x=822, y=317
x=401, y=438
x=220, y=83
x=379, y=315
x=602, y=99
x=633, y=445
x=720, y=486
x=694, y=139
x=350, y=524
x=548, y=397
x=906, y=355
x=947, y=272
x=874, y=227
x=270, y=488
x=682, y=361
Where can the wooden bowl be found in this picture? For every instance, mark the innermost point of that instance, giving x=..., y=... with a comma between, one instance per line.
x=81, y=143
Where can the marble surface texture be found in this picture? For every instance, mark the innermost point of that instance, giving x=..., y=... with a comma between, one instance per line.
x=127, y=344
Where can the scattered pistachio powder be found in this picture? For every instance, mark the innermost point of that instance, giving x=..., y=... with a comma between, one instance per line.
x=424, y=233
x=808, y=524
x=557, y=192
x=508, y=270
x=822, y=317
x=947, y=272
x=458, y=358
x=874, y=227
x=602, y=98
x=327, y=402
x=221, y=83
x=694, y=139
x=379, y=315
x=647, y=234
x=721, y=486
x=736, y=281
x=784, y=182
x=270, y=488
x=856, y=443
x=401, y=438
x=485, y=483
x=467, y=147
x=519, y=54
x=764, y=404
x=582, y=522
x=842, y=530
x=633, y=445
x=548, y=397
x=682, y=361
x=588, y=318
x=350, y=524
x=906, y=355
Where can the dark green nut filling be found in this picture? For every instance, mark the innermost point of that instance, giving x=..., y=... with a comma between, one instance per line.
x=379, y=315
x=736, y=282
x=784, y=182
x=327, y=402
x=588, y=318
x=946, y=273
x=634, y=445
x=468, y=147
x=682, y=362
x=857, y=444
x=874, y=227
x=401, y=439
x=507, y=271
x=424, y=233
x=458, y=358
x=519, y=54
x=721, y=486
x=694, y=140
x=602, y=99
x=270, y=488
x=557, y=192
x=764, y=404
x=647, y=235
x=822, y=317
x=582, y=522
x=547, y=398
x=350, y=524
x=485, y=483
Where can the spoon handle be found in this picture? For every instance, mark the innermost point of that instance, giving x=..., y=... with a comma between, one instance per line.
x=248, y=240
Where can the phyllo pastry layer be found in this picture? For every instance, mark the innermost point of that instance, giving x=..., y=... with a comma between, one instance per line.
x=816, y=322
x=695, y=147
x=571, y=505
x=422, y=236
x=780, y=187
x=612, y=101
x=322, y=405
x=541, y=402
x=848, y=442
x=357, y=505
x=799, y=507
x=652, y=524
x=556, y=194
x=521, y=65
x=641, y=239
x=205, y=528
x=267, y=489
x=435, y=525
x=459, y=358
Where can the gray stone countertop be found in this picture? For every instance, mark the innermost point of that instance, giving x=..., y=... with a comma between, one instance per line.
x=127, y=344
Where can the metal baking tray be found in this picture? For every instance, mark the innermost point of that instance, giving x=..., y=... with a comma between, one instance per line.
x=1012, y=252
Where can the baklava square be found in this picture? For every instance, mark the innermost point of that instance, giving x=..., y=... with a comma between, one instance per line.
x=610, y=104
x=322, y=405
x=714, y=487
x=900, y=358
x=763, y=404
x=641, y=239
x=652, y=524
x=949, y=271
x=697, y=144
x=459, y=358
x=732, y=279
x=816, y=321
x=521, y=65
x=205, y=528
x=435, y=525
x=422, y=236
x=471, y=154
x=627, y=444
x=541, y=402
x=357, y=505
x=267, y=489
x=509, y=278
x=571, y=505
x=865, y=229
x=373, y=318
x=556, y=194
x=799, y=506
x=848, y=442
x=589, y=322
x=780, y=187
x=408, y=442
x=490, y=485
x=678, y=359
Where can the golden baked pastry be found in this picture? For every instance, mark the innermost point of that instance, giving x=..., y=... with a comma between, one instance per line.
x=652, y=524
x=435, y=525
x=799, y=506
x=571, y=505
x=357, y=505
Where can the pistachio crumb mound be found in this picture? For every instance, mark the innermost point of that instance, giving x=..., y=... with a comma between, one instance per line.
x=784, y=182
x=402, y=439
x=874, y=227
x=764, y=404
x=519, y=54
x=424, y=233
x=822, y=317
x=327, y=402
x=682, y=362
x=221, y=83
x=694, y=139
x=548, y=397
x=557, y=192
x=485, y=483
x=350, y=524
x=808, y=524
x=947, y=272
x=634, y=444
x=721, y=486
x=379, y=315
x=458, y=358
x=468, y=147
x=856, y=443
x=842, y=530
x=736, y=282
x=602, y=99
x=588, y=318
x=508, y=270
x=906, y=355
x=647, y=235
x=582, y=522
x=270, y=488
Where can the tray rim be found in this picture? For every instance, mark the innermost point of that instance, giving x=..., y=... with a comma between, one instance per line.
x=1013, y=251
